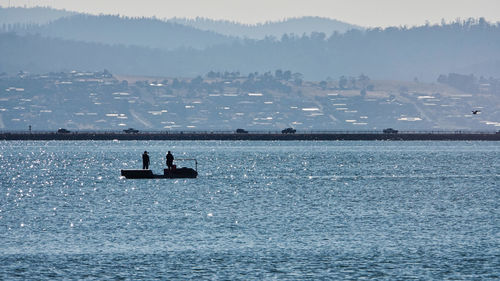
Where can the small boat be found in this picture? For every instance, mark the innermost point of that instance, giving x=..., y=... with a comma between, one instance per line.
x=167, y=174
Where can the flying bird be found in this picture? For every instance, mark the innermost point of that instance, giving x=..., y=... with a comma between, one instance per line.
x=476, y=111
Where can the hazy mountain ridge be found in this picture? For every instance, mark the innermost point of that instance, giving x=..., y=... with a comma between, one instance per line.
x=148, y=46
x=36, y=15
x=393, y=53
x=298, y=26
x=152, y=32
x=116, y=30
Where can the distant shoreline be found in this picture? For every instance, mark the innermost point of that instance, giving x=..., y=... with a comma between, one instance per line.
x=254, y=136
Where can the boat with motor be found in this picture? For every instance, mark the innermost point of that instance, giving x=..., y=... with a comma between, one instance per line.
x=174, y=173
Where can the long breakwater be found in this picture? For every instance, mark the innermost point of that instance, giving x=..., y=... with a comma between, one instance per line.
x=265, y=136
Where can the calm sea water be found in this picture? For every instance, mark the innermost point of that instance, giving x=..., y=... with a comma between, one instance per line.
x=258, y=210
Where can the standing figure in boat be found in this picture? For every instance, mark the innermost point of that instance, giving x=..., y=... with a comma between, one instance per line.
x=170, y=161
x=145, y=160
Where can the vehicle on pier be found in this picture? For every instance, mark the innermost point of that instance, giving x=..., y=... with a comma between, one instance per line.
x=131, y=131
x=289, y=131
x=390, y=131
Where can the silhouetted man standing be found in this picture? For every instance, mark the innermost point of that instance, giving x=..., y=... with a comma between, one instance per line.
x=170, y=160
x=145, y=160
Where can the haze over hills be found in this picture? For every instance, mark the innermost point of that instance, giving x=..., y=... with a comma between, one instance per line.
x=393, y=53
x=298, y=26
x=36, y=15
x=116, y=30
x=124, y=46
x=169, y=34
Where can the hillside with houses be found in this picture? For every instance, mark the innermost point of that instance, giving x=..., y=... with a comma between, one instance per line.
x=226, y=101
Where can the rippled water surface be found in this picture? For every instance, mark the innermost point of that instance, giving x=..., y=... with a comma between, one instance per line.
x=258, y=210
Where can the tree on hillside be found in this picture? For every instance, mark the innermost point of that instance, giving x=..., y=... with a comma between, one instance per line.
x=466, y=83
x=287, y=75
x=342, y=82
x=363, y=80
x=278, y=74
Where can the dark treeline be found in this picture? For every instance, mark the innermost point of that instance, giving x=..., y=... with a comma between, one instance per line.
x=470, y=83
x=278, y=81
x=393, y=53
x=216, y=82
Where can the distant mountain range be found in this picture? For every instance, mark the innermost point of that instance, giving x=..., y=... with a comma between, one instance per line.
x=155, y=33
x=148, y=46
x=115, y=30
x=297, y=26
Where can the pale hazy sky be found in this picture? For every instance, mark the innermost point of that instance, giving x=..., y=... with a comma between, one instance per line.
x=362, y=12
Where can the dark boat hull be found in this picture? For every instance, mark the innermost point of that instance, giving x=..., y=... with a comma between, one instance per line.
x=180, y=173
x=148, y=174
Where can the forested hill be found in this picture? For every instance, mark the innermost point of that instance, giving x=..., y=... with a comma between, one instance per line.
x=393, y=53
x=112, y=30
x=298, y=26
x=19, y=17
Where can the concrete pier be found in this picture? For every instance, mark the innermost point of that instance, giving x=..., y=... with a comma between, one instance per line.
x=323, y=136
